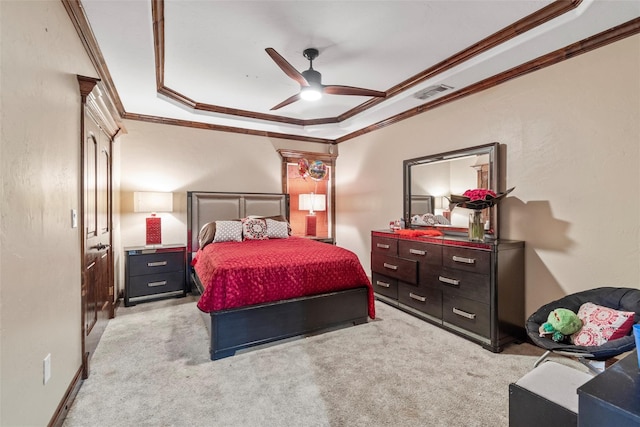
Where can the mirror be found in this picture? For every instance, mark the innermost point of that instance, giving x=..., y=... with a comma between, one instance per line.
x=430, y=180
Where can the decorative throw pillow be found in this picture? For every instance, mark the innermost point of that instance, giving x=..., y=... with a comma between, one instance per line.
x=277, y=229
x=228, y=231
x=601, y=324
x=254, y=229
x=206, y=235
x=281, y=218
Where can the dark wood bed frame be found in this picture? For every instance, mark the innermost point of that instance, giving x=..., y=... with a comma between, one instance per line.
x=239, y=328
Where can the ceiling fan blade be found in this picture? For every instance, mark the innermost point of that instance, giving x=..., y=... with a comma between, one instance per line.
x=286, y=67
x=287, y=101
x=350, y=90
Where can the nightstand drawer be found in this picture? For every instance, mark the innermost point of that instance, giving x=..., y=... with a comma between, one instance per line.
x=155, y=263
x=151, y=284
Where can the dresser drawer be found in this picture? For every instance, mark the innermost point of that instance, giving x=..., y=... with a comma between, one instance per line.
x=397, y=268
x=422, y=252
x=160, y=262
x=467, y=314
x=384, y=245
x=423, y=298
x=152, y=284
x=468, y=285
x=384, y=285
x=474, y=260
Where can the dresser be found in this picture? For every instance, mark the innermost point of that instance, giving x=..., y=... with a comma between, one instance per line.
x=154, y=272
x=474, y=289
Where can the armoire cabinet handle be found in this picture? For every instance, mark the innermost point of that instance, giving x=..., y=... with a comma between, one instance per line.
x=417, y=252
x=464, y=260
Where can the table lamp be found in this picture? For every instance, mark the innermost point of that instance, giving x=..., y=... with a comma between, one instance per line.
x=312, y=203
x=153, y=202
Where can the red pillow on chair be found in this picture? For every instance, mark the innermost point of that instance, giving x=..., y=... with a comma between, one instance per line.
x=601, y=324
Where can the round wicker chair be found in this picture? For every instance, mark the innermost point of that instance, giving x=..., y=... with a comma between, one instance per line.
x=625, y=299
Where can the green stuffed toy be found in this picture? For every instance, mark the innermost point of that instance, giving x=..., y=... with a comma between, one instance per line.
x=560, y=324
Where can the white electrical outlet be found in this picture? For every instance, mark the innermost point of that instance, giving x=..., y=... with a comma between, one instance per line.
x=74, y=218
x=46, y=365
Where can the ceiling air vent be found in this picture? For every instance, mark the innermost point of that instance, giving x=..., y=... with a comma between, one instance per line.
x=431, y=91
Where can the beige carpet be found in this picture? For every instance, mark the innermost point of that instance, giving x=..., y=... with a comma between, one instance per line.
x=152, y=368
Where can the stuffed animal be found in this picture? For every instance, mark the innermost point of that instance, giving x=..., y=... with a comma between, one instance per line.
x=560, y=324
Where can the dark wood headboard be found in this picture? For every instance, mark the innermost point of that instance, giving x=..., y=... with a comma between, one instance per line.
x=204, y=207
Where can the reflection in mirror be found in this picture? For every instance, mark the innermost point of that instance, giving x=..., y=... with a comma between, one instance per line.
x=429, y=181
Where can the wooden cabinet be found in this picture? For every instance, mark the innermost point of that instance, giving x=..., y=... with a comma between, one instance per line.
x=152, y=273
x=473, y=289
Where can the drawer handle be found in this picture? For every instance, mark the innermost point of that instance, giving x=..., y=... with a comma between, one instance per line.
x=464, y=260
x=390, y=266
x=156, y=264
x=417, y=297
x=382, y=246
x=153, y=284
x=449, y=281
x=464, y=313
x=417, y=252
x=383, y=284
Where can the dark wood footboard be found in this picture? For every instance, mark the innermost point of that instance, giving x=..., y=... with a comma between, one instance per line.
x=239, y=328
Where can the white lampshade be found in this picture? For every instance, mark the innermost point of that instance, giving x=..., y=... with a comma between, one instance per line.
x=150, y=201
x=312, y=202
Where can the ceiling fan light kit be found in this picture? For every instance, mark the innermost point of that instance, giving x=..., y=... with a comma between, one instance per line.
x=310, y=81
x=310, y=93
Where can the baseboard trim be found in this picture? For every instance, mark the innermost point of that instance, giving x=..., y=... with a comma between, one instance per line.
x=67, y=400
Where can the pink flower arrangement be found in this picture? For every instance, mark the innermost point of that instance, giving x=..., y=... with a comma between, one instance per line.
x=478, y=199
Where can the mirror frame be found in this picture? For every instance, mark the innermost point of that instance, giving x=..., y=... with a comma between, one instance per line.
x=492, y=150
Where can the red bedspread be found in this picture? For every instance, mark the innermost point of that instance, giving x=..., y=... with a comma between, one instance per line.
x=238, y=274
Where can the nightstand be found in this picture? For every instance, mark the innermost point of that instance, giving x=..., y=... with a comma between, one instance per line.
x=154, y=272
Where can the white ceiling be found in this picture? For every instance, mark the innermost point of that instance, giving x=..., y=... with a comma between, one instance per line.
x=215, y=52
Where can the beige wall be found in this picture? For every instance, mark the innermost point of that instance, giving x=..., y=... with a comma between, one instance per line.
x=572, y=141
x=39, y=251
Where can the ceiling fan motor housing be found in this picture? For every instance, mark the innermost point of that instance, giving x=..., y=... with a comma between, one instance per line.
x=313, y=77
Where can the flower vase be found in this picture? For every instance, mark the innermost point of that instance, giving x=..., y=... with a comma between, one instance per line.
x=476, y=226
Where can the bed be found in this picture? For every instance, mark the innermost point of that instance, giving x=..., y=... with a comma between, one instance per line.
x=254, y=292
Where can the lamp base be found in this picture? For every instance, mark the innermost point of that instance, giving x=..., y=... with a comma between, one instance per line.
x=154, y=231
x=311, y=225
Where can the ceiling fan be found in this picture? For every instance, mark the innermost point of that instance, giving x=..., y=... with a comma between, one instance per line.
x=311, y=87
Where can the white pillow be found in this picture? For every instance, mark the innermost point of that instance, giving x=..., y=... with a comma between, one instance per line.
x=228, y=231
x=277, y=229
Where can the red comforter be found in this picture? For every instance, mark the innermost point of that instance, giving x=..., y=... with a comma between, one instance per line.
x=238, y=274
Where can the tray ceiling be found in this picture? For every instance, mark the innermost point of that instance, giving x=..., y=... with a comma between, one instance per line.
x=205, y=61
